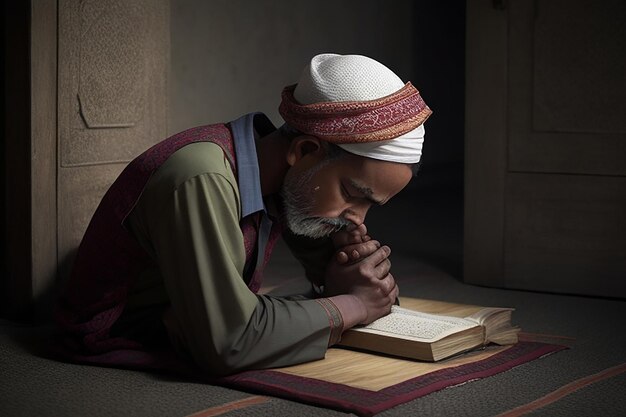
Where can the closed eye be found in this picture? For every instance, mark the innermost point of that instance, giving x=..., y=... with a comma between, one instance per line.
x=366, y=192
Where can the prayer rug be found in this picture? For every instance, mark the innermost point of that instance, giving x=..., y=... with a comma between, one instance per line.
x=366, y=384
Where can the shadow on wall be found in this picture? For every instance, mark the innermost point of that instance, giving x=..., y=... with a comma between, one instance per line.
x=426, y=219
x=233, y=57
x=46, y=298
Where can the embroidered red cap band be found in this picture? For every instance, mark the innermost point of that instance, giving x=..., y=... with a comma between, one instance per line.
x=343, y=122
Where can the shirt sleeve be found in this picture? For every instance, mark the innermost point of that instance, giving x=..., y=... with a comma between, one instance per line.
x=217, y=320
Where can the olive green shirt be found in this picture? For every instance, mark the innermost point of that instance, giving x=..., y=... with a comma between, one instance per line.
x=187, y=219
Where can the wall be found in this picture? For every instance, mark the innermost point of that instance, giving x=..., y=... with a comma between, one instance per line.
x=233, y=57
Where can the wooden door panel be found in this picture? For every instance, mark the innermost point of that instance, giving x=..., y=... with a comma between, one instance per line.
x=567, y=87
x=545, y=193
x=566, y=233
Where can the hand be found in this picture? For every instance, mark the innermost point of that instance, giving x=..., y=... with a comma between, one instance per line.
x=368, y=279
x=349, y=241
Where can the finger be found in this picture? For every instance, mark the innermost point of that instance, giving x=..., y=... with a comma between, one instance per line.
x=347, y=255
x=396, y=295
x=378, y=256
x=387, y=285
x=342, y=257
x=383, y=268
x=351, y=234
x=357, y=235
x=343, y=238
x=361, y=229
x=360, y=250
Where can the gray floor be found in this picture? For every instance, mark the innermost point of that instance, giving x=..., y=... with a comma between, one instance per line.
x=31, y=385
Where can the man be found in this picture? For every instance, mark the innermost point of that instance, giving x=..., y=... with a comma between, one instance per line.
x=175, y=252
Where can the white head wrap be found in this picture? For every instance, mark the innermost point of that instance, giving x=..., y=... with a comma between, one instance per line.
x=357, y=78
x=406, y=148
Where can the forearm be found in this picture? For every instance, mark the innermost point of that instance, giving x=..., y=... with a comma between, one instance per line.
x=278, y=333
x=352, y=310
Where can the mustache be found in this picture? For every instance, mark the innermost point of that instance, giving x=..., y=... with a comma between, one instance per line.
x=335, y=223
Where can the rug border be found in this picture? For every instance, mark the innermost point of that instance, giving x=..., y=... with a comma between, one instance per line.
x=344, y=397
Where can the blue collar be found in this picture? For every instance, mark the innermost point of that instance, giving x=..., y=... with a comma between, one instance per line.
x=248, y=177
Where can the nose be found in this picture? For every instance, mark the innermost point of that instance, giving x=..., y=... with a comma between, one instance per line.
x=356, y=214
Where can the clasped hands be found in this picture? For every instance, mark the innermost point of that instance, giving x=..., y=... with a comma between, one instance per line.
x=360, y=267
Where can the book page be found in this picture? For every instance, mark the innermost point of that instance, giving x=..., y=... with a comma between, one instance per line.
x=487, y=312
x=415, y=325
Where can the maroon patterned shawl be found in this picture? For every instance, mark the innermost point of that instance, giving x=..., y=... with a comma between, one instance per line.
x=109, y=259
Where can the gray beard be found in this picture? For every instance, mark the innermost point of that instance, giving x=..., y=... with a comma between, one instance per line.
x=298, y=204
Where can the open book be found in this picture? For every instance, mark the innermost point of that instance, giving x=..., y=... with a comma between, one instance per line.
x=410, y=333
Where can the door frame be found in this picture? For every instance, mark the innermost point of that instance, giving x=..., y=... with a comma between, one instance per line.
x=30, y=151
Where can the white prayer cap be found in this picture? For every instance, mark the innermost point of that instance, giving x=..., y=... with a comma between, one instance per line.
x=360, y=105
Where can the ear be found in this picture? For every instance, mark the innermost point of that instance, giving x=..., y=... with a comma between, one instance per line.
x=302, y=146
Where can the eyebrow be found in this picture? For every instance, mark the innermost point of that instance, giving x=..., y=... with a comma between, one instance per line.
x=366, y=191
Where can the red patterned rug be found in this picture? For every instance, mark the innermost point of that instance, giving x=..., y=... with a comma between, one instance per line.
x=365, y=402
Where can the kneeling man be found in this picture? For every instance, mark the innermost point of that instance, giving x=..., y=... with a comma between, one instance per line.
x=168, y=271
